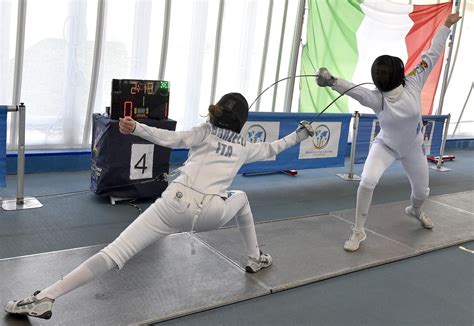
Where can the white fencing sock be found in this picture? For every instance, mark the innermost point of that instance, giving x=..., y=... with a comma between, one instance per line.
x=246, y=225
x=93, y=267
x=416, y=204
x=364, y=199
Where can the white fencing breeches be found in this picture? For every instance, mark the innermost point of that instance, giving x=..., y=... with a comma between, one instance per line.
x=414, y=163
x=182, y=209
x=380, y=158
x=179, y=209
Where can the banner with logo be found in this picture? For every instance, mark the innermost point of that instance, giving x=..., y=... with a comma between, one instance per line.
x=261, y=131
x=325, y=142
x=3, y=144
x=327, y=148
x=433, y=127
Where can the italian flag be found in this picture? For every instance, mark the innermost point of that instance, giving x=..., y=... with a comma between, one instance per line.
x=346, y=36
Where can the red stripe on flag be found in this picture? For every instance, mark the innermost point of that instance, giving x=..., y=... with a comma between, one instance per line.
x=427, y=20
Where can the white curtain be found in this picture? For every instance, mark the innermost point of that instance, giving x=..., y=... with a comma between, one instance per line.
x=8, y=21
x=59, y=49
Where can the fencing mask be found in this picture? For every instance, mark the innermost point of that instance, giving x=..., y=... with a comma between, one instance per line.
x=388, y=72
x=235, y=112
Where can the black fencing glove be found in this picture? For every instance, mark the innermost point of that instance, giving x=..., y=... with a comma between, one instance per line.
x=324, y=77
x=304, y=130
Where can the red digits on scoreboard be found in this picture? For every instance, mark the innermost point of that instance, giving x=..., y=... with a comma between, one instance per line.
x=127, y=108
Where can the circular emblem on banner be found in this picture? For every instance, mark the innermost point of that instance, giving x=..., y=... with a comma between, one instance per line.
x=321, y=136
x=256, y=134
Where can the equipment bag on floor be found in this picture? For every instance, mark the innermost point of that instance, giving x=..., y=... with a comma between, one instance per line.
x=127, y=165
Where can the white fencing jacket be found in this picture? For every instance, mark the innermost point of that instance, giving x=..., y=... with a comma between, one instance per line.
x=399, y=110
x=215, y=154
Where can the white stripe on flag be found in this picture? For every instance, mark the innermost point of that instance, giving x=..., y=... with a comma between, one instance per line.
x=382, y=31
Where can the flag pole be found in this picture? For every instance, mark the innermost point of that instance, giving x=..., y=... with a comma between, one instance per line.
x=444, y=85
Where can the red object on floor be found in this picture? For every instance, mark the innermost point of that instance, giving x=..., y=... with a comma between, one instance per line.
x=434, y=159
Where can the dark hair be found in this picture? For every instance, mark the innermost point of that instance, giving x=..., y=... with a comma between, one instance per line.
x=215, y=112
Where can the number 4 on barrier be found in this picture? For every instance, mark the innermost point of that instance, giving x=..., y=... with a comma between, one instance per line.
x=141, y=161
x=141, y=164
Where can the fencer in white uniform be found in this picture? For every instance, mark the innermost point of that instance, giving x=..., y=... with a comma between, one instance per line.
x=396, y=102
x=197, y=200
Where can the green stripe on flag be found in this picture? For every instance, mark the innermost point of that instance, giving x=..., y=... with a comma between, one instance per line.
x=331, y=43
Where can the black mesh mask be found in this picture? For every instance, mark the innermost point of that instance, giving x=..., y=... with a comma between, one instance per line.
x=235, y=113
x=388, y=73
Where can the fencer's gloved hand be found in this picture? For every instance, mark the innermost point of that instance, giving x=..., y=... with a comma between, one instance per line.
x=324, y=77
x=304, y=130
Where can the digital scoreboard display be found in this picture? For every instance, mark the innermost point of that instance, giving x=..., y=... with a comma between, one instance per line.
x=139, y=99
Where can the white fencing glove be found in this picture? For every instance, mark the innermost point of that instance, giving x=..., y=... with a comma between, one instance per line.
x=304, y=130
x=324, y=77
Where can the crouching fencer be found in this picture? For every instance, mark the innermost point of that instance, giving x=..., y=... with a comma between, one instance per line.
x=197, y=200
x=396, y=102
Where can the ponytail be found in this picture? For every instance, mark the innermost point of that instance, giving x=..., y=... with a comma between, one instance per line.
x=215, y=112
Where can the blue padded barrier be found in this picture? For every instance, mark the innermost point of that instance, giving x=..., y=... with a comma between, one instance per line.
x=326, y=149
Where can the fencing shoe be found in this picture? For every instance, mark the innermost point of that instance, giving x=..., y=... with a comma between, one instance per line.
x=31, y=306
x=421, y=216
x=354, y=241
x=254, y=264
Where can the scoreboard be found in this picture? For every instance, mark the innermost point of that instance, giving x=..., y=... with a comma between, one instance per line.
x=139, y=99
